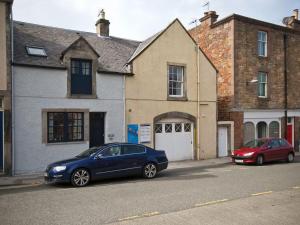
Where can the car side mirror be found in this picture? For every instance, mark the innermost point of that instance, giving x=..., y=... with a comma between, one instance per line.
x=269, y=147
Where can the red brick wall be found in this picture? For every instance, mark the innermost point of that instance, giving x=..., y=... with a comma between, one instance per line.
x=217, y=43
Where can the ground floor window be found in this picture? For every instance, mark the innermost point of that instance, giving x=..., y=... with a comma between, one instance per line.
x=65, y=126
x=261, y=130
x=274, y=129
x=249, y=132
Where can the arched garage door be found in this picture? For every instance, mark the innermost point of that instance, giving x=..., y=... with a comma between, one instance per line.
x=176, y=138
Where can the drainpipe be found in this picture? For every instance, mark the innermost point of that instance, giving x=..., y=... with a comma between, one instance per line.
x=285, y=85
x=198, y=95
x=12, y=94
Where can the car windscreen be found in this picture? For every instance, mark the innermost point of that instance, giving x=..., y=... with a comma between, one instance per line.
x=255, y=143
x=89, y=152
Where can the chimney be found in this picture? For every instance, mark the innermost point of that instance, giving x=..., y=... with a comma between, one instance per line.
x=296, y=14
x=209, y=17
x=292, y=21
x=102, y=25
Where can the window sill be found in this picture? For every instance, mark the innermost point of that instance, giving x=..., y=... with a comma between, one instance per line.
x=262, y=57
x=82, y=96
x=67, y=143
x=177, y=98
x=262, y=98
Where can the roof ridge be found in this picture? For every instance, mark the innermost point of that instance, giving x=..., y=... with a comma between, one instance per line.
x=72, y=30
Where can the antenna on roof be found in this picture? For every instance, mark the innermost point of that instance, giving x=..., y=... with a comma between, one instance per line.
x=206, y=4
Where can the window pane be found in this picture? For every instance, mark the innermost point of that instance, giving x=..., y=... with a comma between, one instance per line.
x=274, y=129
x=55, y=127
x=187, y=127
x=75, y=123
x=261, y=130
x=178, y=127
x=132, y=149
x=249, y=132
x=168, y=128
x=158, y=128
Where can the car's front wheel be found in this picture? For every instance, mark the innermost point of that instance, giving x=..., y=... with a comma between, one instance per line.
x=80, y=177
x=259, y=160
x=290, y=158
x=150, y=170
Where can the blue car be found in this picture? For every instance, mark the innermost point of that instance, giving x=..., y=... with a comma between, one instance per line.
x=107, y=161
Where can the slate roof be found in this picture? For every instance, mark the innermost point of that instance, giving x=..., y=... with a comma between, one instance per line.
x=114, y=52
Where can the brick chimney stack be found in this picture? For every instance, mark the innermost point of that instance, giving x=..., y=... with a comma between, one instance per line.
x=293, y=21
x=102, y=25
x=296, y=14
x=209, y=18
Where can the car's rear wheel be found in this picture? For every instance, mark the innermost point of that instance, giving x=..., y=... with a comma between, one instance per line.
x=80, y=177
x=259, y=160
x=290, y=157
x=150, y=171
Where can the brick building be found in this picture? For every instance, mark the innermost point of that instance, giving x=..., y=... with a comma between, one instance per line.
x=259, y=76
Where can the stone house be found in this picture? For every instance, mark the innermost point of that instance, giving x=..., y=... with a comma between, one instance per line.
x=259, y=76
x=171, y=98
x=68, y=92
x=5, y=86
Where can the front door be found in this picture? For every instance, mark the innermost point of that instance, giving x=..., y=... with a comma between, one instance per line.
x=222, y=142
x=290, y=133
x=1, y=141
x=97, y=128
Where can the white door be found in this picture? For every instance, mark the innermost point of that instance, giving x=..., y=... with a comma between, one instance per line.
x=176, y=139
x=222, y=141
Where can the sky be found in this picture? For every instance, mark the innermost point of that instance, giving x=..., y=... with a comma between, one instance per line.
x=139, y=19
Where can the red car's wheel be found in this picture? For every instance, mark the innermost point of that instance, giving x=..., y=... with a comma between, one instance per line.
x=259, y=160
x=290, y=157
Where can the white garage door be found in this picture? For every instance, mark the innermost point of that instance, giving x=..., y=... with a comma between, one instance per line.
x=176, y=138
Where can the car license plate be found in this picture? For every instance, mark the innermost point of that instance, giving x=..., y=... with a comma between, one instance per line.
x=239, y=161
x=45, y=174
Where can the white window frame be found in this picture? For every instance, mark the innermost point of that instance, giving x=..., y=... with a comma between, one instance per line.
x=263, y=41
x=177, y=81
x=265, y=83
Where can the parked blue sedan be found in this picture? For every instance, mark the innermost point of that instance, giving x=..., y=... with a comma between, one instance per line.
x=108, y=161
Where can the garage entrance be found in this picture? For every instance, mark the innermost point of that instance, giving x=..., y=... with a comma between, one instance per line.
x=175, y=136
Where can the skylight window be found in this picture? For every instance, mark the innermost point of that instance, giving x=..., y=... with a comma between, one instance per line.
x=36, y=51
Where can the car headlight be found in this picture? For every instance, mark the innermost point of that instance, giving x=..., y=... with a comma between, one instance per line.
x=59, y=168
x=249, y=154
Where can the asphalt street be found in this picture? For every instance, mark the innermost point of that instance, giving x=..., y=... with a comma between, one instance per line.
x=173, y=192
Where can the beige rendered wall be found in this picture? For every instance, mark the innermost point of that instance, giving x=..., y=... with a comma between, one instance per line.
x=3, y=57
x=147, y=90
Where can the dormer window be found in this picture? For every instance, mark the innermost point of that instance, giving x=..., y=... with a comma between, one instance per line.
x=36, y=51
x=81, y=77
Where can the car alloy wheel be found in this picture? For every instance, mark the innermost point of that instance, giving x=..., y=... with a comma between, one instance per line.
x=290, y=158
x=80, y=178
x=150, y=170
x=259, y=160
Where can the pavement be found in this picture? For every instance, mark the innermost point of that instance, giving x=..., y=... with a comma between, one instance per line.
x=37, y=179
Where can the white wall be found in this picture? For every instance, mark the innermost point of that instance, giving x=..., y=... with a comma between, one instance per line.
x=37, y=89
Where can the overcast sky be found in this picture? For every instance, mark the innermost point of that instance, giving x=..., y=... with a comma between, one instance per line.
x=139, y=19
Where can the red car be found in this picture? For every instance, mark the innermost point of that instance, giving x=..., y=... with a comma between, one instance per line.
x=264, y=150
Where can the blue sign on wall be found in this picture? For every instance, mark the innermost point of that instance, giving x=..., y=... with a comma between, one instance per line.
x=133, y=133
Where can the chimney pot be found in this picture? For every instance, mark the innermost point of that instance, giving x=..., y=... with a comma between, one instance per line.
x=296, y=14
x=210, y=17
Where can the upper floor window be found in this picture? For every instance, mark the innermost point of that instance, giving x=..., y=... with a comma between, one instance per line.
x=262, y=43
x=65, y=127
x=81, y=76
x=262, y=84
x=176, y=80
